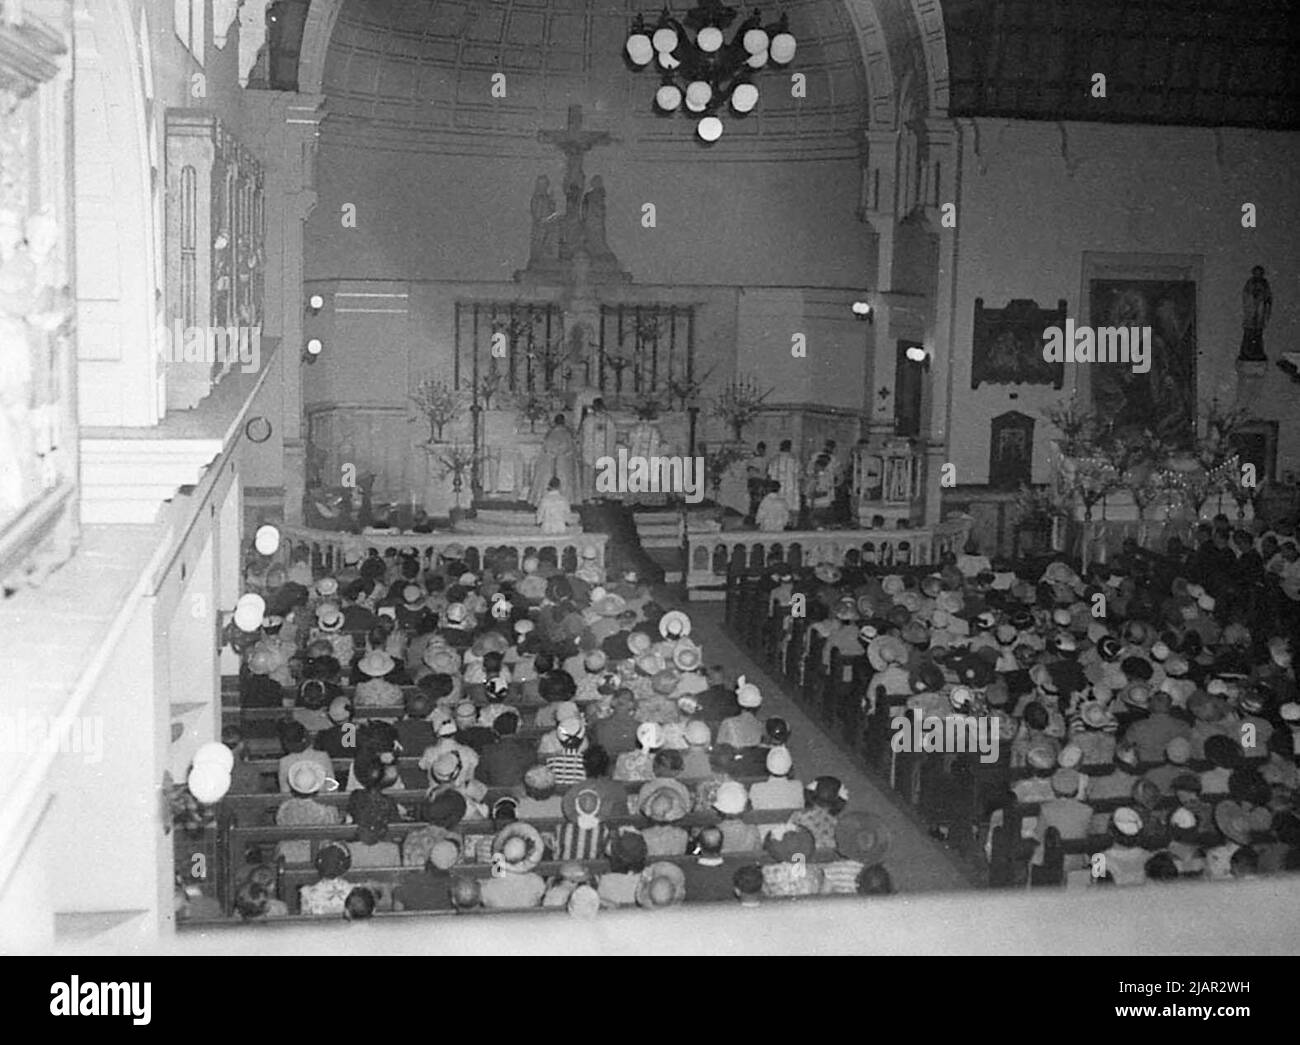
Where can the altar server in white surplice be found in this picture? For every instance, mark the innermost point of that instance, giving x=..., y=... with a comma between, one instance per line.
x=553, y=511
x=784, y=469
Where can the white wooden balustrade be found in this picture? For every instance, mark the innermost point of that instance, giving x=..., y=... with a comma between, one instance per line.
x=712, y=555
x=326, y=548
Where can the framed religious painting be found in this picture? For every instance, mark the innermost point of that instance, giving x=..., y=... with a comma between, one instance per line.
x=1007, y=344
x=1158, y=295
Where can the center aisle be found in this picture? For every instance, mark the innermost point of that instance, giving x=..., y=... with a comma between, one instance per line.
x=916, y=863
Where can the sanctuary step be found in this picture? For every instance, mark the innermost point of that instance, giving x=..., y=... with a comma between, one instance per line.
x=501, y=523
x=660, y=534
x=624, y=550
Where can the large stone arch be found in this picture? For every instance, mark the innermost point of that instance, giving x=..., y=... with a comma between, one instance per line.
x=934, y=44
x=118, y=267
x=315, y=44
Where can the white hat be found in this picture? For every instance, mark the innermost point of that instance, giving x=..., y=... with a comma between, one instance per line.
x=747, y=694
x=1127, y=821
x=698, y=733
x=730, y=799
x=649, y=735
x=306, y=777
x=572, y=726
x=779, y=761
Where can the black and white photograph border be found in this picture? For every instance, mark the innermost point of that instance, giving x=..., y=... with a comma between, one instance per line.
x=596, y=477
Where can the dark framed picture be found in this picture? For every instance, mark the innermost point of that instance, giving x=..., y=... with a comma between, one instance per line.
x=1007, y=344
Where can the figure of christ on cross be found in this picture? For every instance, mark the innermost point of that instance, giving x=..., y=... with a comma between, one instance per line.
x=574, y=142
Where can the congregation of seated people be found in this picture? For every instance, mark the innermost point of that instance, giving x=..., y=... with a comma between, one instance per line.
x=1147, y=711
x=411, y=734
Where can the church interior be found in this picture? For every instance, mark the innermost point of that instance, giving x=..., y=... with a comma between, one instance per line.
x=327, y=321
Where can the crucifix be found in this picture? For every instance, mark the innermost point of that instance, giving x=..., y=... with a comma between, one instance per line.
x=574, y=142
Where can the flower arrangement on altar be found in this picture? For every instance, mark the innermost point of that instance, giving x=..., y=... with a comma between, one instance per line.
x=439, y=404
x=739, y=403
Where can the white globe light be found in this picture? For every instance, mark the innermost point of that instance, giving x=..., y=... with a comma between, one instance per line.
x=698, y=94
x=744, y=97
x=710, y=128
x=639, y=48
x=208, y=782
x=757, y=61
x=266, y=540
x=665, y=40
x=916, y=354
x=249, y=611
x=315, y=346
x=667, y=61
x=317, y=302
x=755, y=41
x=216, y=754
x=782, y=49
x=709, y=39
x=861, y=308
x=668, y=97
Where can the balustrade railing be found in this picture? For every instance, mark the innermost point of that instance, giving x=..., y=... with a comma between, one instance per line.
x=325, y=549
x=712, y=556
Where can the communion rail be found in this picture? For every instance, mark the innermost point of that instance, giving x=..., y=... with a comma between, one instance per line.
x=324, y=549
x=713, y=555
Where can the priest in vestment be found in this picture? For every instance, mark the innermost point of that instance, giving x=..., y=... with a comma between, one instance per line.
x=599, y=438
x=784, y=469
x=557, y=459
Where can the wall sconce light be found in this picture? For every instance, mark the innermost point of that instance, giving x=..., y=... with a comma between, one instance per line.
x=863, y=310
x=315, y=303
x=314, y=347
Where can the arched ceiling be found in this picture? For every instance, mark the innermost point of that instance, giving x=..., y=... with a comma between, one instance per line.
x=409, y=73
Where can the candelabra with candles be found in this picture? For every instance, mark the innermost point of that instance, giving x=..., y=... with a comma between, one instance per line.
x=701, y=70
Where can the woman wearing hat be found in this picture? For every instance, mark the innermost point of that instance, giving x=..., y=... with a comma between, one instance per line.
x=516, y=850
x=639, y=764
x=791, y=873
x=326, y=896
x=662, y=884
x=779, y=790
x=306, y=780
x=824, y=800
x=861, y=841
x=730, y=802
x=744, y=729
x=377, y=666
x=663, y=802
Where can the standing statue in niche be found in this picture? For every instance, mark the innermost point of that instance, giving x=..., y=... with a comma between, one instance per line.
x=1256, y=309
x=542, y=246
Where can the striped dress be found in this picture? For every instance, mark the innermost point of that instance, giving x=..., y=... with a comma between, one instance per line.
x=567, y=767
x=578, y=843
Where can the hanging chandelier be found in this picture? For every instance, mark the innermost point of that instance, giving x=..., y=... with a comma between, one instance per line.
x=701, y=72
